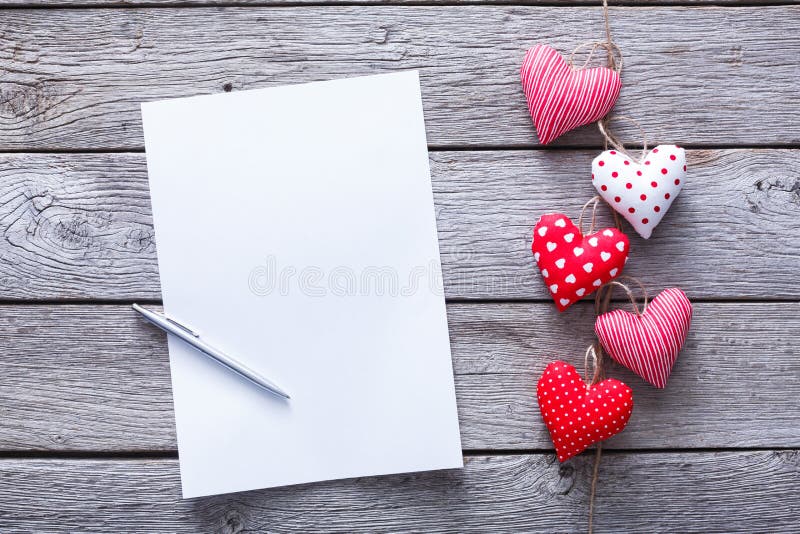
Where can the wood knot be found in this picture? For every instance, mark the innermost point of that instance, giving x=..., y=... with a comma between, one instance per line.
x=773, y=193
x=74, y=232
x=30, y=101
x=566, y=471
x=781, y=184
x=228, y=87
x=233, y=522
x=140, y=239
x=566, y=479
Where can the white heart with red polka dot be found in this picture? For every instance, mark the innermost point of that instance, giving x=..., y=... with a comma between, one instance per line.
x=642, y=193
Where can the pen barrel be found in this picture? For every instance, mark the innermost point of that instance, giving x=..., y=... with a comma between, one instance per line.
x=233, y=364
x=216, y=355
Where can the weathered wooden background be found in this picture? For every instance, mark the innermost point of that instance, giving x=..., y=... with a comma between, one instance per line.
x=87, y=437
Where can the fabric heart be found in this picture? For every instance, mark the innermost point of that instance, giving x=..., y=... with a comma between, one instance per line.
x=572, y=265
x=561, y=98
x=641, y=193
x=648, y=344
x=578, y=415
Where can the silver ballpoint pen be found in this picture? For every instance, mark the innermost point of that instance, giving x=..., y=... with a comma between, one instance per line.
x=192, y=338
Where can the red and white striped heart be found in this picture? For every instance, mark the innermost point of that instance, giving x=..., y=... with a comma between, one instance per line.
x=561, y=98
x=576, y=415
x=641, y=193
x=574, y=265
x=648, y=344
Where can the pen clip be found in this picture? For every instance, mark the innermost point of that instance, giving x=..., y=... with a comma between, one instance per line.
x=182, y=327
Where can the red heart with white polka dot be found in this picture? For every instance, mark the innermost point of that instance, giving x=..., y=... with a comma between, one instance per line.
x=572, y=265
x=578, y=415
x=641, y=193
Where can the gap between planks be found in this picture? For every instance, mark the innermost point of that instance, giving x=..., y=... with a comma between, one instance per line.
x=477, y=301
x=103, y=4
x=134, y=455
x=439, y=148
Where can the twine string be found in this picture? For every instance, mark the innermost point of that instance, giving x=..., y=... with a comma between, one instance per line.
x=598, y=452
x=614, y=57
x=596, y=200
x=595, y=351
x=594, y=44
x=615, y=63
x=609, y=41
x=601, y=304
x=612, y=49
x=610, y=139
x=610, y=285
x=602, y=300
x=614, y=60
x=596, y=366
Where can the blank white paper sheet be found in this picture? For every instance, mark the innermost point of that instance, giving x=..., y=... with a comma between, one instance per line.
x=296, y=231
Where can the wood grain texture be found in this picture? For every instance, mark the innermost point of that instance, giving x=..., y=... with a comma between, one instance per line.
x=248, y=3
x=662, y=492
x=92, y=380
x=78, y=226
x=73, y=79
x=96, y=378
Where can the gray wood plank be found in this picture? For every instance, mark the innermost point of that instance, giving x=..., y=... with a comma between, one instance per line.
x=187, y=3
x=78, y=226
x=73, y=79
x=89, y=378
x=720, y=394
x=675, y=492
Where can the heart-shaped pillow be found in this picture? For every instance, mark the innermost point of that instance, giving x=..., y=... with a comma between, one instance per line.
x=648, y=344
x=561, y=98
x=641, y=193
x=574, y=265
x=578, y=415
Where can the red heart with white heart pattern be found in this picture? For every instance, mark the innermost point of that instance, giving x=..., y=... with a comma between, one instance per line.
x=648, y=344
x=574, y=265
x=641, y=193
x=578, y=415
x=561, y=98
